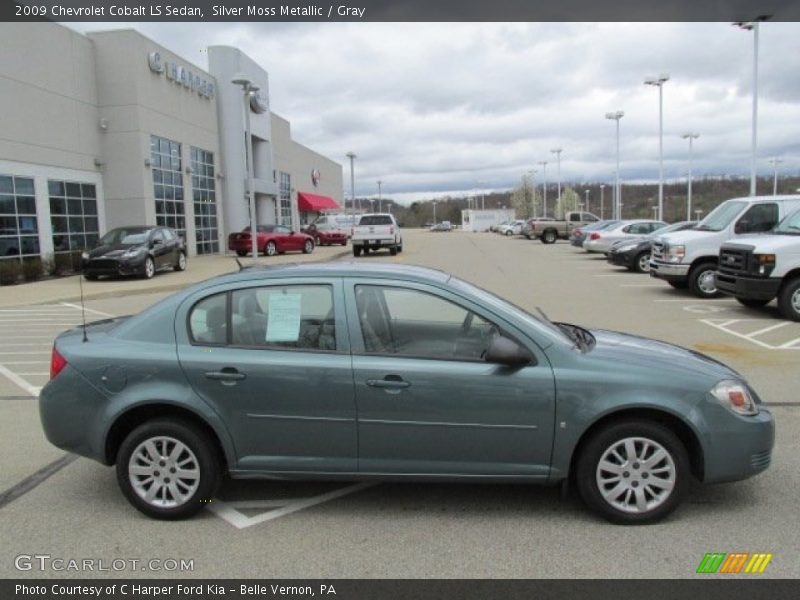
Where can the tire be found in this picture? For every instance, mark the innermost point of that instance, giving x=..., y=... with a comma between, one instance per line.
x=549, y=237
x=308, y=247
x=270, y=249
x=365, y=250
x=198, y=457
x=181, y=266
x=701, y=280
x=752, y=302
x=400, y=247
x=90, y=276
x=356, y=250
x=149, y=268
x=393, y=250
x=789, y=300
x=638, y=499
x=509, y=233
x=678, y=285
x=241, y=252
x=641, y=264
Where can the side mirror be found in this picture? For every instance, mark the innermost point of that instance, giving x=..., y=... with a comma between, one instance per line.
x=157, y=242
x=504, y=351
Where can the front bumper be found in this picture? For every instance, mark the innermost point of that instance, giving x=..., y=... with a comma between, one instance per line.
x=738, y=447
x=114, y=266
x=751, y=288
x=621, y=259
x=668, y=271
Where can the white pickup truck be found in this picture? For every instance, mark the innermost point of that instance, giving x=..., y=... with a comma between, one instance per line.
x=375, y=231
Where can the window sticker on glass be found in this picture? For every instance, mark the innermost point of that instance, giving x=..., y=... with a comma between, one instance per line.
x=284, y=318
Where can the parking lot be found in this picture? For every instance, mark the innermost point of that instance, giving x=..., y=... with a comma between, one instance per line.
x=73, y=509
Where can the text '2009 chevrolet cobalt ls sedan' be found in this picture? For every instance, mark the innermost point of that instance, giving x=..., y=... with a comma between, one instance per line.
x=392, y=372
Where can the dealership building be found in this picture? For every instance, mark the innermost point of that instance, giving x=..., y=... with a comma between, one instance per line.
x=110, y=129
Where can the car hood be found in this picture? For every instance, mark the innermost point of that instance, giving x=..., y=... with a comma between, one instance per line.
x=112, y=251
x=765, y=242
x=636, y=351
x=682, y=237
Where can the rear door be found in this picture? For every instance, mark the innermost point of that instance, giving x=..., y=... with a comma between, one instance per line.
x=273, y=360
x=427, y=401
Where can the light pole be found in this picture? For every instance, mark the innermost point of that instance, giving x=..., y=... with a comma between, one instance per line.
x=434, y=212
x=544, y=187
x=480, y=185
x=352, y=157
x=532, y=173
x=659, y=83
x=775, y=162
x=380, y=197
x=753, y=26
x=617, y=208
x=655, y=212
x=557, y=152
x=602, y=199
x=587, y=199
x=691, y=137
x=248, y=89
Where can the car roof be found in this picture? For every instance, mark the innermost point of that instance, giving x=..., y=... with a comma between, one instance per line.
x=336, y=269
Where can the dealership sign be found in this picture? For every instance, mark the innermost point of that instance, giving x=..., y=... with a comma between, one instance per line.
x=315, y=177
x=180, y=75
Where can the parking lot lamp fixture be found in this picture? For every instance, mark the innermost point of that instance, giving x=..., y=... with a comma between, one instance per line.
x=557, y=152
x=659, y=83
x=352, y=157
x=617, y=208
x=775, y=162
x=691, y=137
x=249, y=89
x=544, y=187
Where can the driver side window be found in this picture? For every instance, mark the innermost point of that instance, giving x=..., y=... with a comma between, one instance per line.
x=406, y=322
x=760, y=218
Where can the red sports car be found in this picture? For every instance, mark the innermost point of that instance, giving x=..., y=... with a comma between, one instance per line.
x=272, y=240
x=326, y=237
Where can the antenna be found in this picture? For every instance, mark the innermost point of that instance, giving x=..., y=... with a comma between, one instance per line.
x=83, y=309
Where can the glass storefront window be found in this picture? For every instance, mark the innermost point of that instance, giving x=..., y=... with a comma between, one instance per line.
x=284, y=216
x=73, y=215
x=205, y=201
x=19, y=230
x=166, y=165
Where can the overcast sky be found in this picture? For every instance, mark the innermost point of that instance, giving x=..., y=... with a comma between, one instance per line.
x=436, y=108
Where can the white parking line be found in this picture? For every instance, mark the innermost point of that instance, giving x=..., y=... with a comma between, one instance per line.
x=790, y=345
x=89, y=310
x=766, y=329
x=19, y=381
x=228, y=510
x=725, y=326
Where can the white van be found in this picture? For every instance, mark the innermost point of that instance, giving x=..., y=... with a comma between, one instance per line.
x=689, y=258
x=335, y=222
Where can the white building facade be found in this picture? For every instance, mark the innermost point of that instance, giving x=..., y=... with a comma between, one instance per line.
x=111, y=129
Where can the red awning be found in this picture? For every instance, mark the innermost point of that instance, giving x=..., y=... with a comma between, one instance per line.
x=314, y=202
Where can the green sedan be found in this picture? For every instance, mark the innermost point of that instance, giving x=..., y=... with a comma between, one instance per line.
x=391, y=372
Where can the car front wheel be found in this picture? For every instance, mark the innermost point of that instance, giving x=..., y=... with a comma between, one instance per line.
x=270, y=249
x=702, y=280
x=642, y=262
x=168, y=469
x=356, y=250
x=633, y=472
x=308, y=247
x=181, y=265
x=549, y=237
x=149, y=268
x=789, y=300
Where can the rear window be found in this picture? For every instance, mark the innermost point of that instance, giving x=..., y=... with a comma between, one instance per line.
x=376, y=220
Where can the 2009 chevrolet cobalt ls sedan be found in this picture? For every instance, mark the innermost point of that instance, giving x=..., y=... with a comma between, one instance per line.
x=392, y=372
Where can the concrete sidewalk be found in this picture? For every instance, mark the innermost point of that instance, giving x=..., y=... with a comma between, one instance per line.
x=66, y=289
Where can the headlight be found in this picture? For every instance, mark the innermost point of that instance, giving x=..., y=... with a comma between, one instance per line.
x=764, y=263
x=84, y=256
x=675, y=254
x=734, y=395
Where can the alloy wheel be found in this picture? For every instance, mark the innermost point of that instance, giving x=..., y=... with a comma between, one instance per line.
x=149, y=268
x=644, y=263
x=636, y=475
x=706, y=282
x=164, y=472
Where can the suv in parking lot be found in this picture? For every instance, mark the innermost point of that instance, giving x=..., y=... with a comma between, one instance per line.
x=756, y=269
x=689, y=258
x=548, y=230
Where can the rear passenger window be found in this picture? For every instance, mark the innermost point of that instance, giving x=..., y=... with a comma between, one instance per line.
x=208, y=320
x=284, y=317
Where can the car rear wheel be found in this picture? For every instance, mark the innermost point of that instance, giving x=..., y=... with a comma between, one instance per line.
x=149, y=268
x=356, y=250
x=789, y=300
x=270, y=249
x=308, y=247
x=633, y=472
x=181, y=265
x=393, y=250
x=702, y=280
x=642, y=262
x=752, y=302
x=168, y=469
x=549, y=237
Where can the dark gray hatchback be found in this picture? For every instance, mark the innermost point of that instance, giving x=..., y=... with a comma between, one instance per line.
x=343, y=371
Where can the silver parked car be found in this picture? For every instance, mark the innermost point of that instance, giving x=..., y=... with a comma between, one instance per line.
x=601, y=241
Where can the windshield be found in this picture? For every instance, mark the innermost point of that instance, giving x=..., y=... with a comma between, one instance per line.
x=375, y=220
x=683, y=225
x=131, y=236
x=719, y=218
x=790, y=225
x=493, y=300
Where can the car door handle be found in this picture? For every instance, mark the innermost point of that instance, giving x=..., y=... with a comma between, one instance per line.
x=228, y=375
x=389, y=382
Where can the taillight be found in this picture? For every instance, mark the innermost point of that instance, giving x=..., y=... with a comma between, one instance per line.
x=57, y=363
x=578, y=232
x=594, y=236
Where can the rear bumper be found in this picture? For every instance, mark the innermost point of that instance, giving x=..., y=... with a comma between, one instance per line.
x=754, y=288
x=668, y=271
x=384, y=243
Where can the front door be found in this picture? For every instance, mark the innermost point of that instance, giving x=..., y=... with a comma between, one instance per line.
x=274, y=362
x=427, y=401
